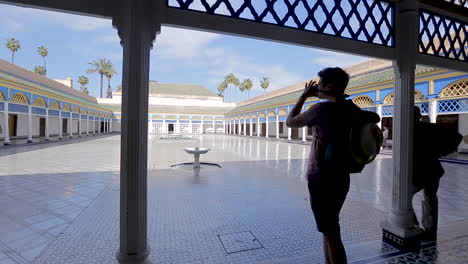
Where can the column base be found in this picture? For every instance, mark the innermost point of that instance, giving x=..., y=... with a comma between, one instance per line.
x=30, y=141
x=138, y=257
x=60, y=138
x=70, y=136
x=7, y=143
x=404, y=240
x=46, y=139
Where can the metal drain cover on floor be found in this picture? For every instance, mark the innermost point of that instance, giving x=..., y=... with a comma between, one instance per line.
x=238, y=242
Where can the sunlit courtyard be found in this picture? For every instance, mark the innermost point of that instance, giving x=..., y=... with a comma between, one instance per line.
x=60, y=204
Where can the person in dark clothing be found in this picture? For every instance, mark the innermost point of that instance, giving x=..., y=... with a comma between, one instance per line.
x=328, y=174
x=430, y=142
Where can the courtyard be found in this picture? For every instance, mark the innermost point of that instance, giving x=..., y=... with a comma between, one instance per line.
x=60, y=204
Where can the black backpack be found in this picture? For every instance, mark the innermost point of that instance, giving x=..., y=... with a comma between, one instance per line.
x=365, y=143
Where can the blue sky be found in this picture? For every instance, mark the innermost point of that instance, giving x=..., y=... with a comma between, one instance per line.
x=178, y=56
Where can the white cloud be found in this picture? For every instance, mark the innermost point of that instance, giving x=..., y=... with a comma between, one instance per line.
x=334, y=59
x=225, y=61
x=109, y=38
x=182, y=43
x=28, y=16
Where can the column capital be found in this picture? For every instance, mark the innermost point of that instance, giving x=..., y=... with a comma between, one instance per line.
x=144, y=14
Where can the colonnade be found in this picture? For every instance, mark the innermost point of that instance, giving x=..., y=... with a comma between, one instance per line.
x=105, y=124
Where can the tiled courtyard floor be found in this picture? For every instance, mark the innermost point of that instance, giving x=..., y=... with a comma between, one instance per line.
x=60, y=205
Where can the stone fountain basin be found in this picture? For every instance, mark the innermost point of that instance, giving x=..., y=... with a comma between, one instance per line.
x=196, y=150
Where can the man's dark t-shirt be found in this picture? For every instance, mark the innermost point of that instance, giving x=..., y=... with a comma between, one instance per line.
x=331, y=123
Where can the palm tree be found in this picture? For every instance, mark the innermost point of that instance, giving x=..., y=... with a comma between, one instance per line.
x=100, y=66
x=40, y=70
x=83, y=81
x=43, y=52
x=109, y=73
x=13, y=45
x=264, y=83
x=232, y=79
x=246, y=85
x=222, y=88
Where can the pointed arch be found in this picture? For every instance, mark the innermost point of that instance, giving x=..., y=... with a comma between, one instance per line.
x=20, y=98
x=66, y=107
x=282, y=112
x=418, y=97
x=455, y=89
x=271, y=113
x=54, y=105
x=363, y=101
x=2, y=97
x=84, y=111
x=40, y=102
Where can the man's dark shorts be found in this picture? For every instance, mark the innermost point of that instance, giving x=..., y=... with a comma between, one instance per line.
x=327, y=194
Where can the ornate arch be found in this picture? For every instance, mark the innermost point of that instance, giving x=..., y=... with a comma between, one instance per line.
x=40, y=102
x=271, y=113
x=54, y=105
x=363, y=101
x=261, y=115
x=456, y=89
x=76, y=109
x=66, y=107
x=2, y=97
x=84, y=111
x=20, y=98
x=282, y=112
x=418, y=97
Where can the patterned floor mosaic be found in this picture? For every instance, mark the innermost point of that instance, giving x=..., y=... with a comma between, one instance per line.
x=254, y=209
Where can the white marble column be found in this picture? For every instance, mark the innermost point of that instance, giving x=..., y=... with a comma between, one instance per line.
x=94, y=125
x=47, y=137
x=304, y=133
x=379, y=112
x=29, y=124
x=6, y=125
x=258, y=127
x=80, y=124
x=70, y=125
x=214, y=125
x=245, y=126
x=289, y=133
x=399, y=227
x=432, y=111
x=177, y=126
x=165, y=128
x=60, y=123
x=224, y=126
x=277, y=127
x=87, y=125
x=137, y=28
x=251, y=127
x=110, y=125
x=190, y=125
x=202, y=124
